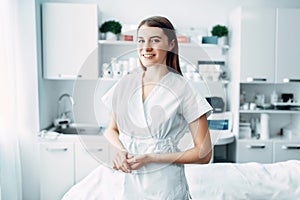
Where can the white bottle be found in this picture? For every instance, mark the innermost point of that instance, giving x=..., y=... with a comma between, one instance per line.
x=264, y=126
x=274, y=97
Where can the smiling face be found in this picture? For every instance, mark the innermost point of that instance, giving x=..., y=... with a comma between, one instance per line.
x=153, y=46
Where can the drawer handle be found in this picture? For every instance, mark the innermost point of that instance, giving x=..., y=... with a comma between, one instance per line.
x=256, y=146
x=251, y=79
x=287, y=147
x=287, y=80
x=57, y=149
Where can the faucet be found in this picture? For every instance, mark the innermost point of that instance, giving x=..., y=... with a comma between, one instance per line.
x=61, y=114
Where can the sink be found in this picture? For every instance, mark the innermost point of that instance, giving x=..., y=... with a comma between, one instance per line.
x=68, y=130
x=81, y=129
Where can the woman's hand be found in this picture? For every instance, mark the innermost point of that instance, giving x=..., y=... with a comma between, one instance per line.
x=137, y=161
x=120, y=161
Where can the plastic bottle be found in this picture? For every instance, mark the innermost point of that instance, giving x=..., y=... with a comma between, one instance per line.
x=274, y=97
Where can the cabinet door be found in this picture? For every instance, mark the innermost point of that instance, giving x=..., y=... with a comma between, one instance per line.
x=258, y=44
x=254, y=151
x=288, y=47
x=88, y=157
x=57, y=169
x=286, y=151
x=70, y=41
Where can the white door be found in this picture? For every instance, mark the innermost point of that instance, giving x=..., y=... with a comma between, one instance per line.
x=288, y=48
x=56, y=169
x=258, y=29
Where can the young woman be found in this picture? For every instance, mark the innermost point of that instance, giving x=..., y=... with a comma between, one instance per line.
x=151, y=111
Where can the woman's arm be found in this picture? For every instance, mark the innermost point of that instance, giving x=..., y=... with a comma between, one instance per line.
x=119, y=161
x=201, y=152
x=112, y=133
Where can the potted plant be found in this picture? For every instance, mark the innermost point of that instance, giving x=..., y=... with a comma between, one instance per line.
x=221, y=32
x=110, y=26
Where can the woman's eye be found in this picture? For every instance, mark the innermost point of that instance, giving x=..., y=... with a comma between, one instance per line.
x=155, y=40
x=141, y=41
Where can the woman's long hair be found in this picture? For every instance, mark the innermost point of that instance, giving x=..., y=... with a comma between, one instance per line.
x=169, y=31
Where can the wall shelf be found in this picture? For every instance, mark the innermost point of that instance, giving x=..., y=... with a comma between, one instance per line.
x=132, y=43
x=189, y=53
x=270, y=111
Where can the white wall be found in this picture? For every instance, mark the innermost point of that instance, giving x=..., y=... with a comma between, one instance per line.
x=184, y=14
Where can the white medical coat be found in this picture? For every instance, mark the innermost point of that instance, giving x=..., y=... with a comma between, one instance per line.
x=153, y=126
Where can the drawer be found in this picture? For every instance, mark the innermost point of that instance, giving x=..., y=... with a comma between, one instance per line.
x=286, y=151
x=254, y=151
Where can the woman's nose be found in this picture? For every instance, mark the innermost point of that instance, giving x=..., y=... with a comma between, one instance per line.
x=147, y=46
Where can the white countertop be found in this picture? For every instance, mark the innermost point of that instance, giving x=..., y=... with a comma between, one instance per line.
x=225, y=138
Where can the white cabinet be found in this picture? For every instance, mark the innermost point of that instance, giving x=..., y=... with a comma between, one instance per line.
x=267, y=151
x=288, y=45
x=254, y=151
x=67, y=160
x=266, y=43
x=56, y=169
x=89, y=156
x=264, y=50
x=282, y=149
x=70, y=41
x=257, y=48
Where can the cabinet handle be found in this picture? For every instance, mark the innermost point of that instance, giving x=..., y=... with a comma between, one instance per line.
x=287, y=147
x=95, y=150
x=69, y=76
x=287, y=80
x=57, y=149
x=251, y=79
x=256, y=146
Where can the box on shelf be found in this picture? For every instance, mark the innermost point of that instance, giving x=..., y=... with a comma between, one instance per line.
x=183, y=39
x=210, y=70
x=127, y=37
x=244, y=131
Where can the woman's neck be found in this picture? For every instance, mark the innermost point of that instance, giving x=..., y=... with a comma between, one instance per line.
x=155, y=73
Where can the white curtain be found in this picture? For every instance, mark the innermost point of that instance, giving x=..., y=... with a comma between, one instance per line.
x=10, y=167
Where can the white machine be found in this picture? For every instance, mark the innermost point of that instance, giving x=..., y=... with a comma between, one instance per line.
x=220, y=127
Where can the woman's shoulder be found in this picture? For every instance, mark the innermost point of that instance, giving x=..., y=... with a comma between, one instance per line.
x=178, y=84
x=184, y=86
x=178, y=77
x=178, y=80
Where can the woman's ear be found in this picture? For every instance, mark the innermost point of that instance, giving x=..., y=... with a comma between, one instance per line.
x=171, y=45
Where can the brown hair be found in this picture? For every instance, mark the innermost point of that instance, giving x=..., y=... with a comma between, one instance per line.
x=169, y=31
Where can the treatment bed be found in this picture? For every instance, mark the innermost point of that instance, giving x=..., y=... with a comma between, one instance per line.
x=210, y=181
